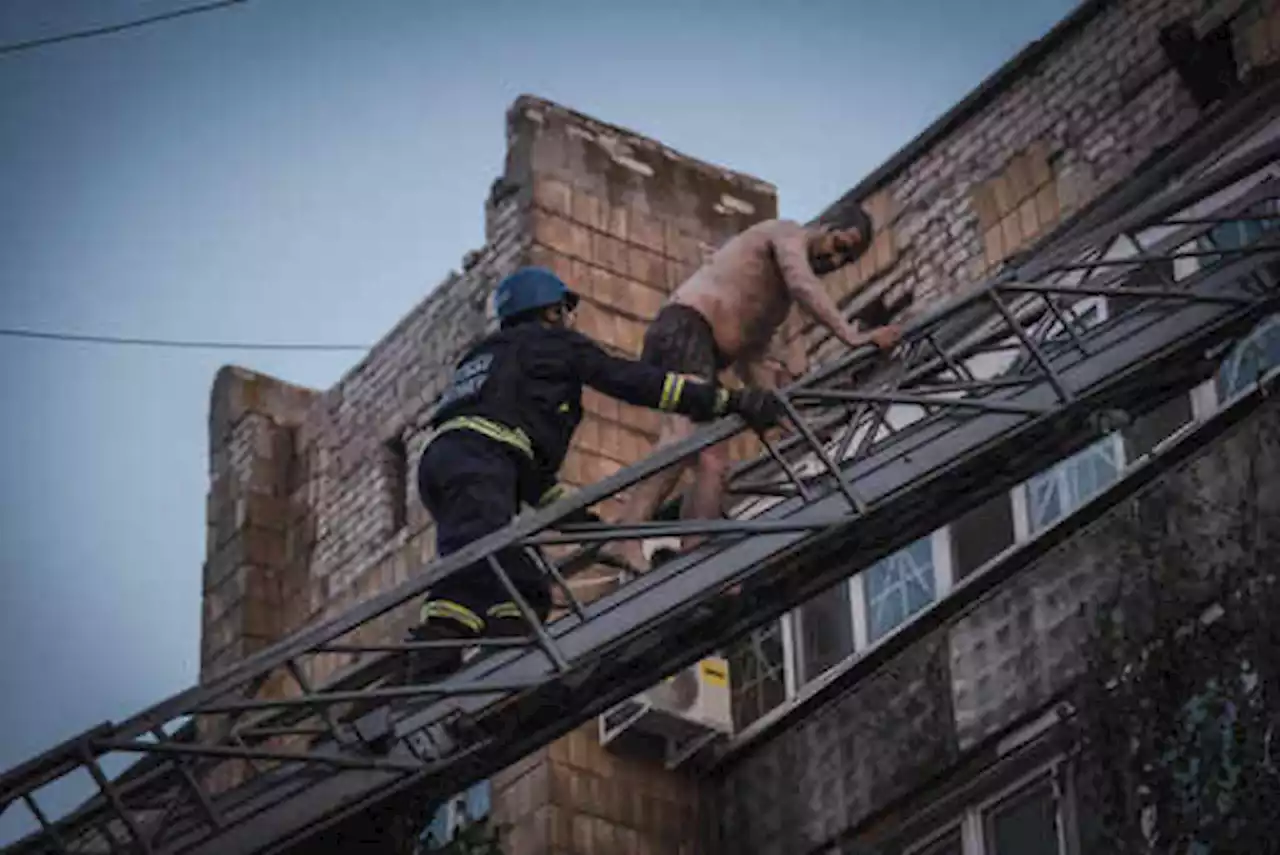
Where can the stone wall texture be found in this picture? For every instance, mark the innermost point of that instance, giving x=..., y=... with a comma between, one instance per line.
x=1065, y=130
x=311, y=504
x=312, y=507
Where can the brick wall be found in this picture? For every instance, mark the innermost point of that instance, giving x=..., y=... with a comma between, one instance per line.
x=1066, y=129
x=1051, y=140
x=312, y=505
x=625, y=220
x=911, y=723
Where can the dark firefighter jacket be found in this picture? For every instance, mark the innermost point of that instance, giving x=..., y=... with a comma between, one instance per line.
x=523, y=386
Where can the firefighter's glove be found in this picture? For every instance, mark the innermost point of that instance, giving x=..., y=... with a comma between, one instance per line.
x=759, y=408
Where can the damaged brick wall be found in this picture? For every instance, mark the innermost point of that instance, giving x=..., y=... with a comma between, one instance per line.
x=1069, y=127
x=1051, y=140
x=623, y=219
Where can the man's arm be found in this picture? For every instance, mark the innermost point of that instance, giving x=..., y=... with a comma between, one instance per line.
x=791, y=250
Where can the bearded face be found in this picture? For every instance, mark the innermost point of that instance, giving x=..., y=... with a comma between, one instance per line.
x=831, y=249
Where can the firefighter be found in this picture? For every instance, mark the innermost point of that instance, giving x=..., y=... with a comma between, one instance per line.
x=501, y=431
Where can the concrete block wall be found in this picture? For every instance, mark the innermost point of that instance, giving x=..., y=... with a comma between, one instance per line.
x=1070, y=125
x=331, y=516
x=625, y=219
x=1055, y=136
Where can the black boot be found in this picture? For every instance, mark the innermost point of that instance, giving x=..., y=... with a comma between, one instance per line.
x=431, y=664
x=371, y=719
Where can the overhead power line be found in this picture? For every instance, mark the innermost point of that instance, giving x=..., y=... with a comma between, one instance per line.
x=176, y=343
x=115, y=28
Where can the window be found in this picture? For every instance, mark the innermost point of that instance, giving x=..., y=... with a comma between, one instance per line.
x=395, y=475
x=459, y=812
x=1028, y=818
x=899, y=586
x=1256, y=354
x=1067, y=485
x=757, y=674
x=1024, y=824
x=824, y=631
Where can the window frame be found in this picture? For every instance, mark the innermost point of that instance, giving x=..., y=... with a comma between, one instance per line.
x=1205, y=400
x=972, y=819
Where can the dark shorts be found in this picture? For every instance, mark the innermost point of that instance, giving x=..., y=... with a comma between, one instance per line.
x=680, y=340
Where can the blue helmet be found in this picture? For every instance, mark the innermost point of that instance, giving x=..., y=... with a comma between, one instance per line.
x=530, y=288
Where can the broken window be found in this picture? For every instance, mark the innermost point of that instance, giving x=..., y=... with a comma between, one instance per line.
x=1067, y=485
x=757, y=674
x=395, y=477
x=899, y=586
x=982, y=534
x=825, y=632
x=1154, y=427
x=1256, y=354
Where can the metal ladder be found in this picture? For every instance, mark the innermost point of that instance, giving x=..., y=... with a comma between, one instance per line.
x=845, y=487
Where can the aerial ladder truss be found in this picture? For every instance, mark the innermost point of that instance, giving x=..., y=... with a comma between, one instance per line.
x=845, y=484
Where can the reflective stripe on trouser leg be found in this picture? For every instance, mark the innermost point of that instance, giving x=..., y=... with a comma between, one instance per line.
x=448, y=610
x=504, y=610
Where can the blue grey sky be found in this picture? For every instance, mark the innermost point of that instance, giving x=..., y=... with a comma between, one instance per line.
x=307, y=170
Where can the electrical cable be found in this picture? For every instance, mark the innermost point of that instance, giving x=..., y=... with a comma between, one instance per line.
x=174, y=343
x=115, y=28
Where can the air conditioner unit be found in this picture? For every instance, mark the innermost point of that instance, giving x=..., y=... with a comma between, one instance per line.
x=680, y=718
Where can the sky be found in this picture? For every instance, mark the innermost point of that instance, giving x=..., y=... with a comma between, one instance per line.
x=307, y=171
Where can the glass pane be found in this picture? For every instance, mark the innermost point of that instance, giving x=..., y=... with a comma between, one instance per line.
x=756, y=674
x=1053, y=494
x=478, y=801
x=899, y=586
x=1255, y=354
x=981, y=534
x=1025, y=824
x=1150, y=430
x=826, y=631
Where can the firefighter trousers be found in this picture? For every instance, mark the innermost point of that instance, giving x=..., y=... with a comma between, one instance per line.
x=471, y=486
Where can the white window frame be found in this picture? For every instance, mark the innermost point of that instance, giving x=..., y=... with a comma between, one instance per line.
x=1204, y=399
x=972, y=820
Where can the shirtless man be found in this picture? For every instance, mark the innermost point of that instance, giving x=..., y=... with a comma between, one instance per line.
x=727, y=315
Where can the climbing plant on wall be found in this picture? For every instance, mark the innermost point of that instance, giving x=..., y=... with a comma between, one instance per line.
x=1178, y=712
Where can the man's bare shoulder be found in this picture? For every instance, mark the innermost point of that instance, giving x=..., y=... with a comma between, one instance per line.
x=761, y=234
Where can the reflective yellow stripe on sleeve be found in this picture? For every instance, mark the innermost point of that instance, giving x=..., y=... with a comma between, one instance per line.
x=504, y=610
x=672, y=388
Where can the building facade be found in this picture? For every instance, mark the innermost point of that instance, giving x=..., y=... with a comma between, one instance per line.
x=948, y=750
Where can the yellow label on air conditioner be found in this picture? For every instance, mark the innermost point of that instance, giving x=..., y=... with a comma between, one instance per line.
x=714, y=671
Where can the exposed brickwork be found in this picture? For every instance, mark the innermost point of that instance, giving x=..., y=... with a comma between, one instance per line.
x=307, y=506
x=328, y=523
x=625, y=220
x=1089, y=113
x=1050, y=143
